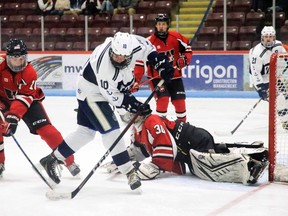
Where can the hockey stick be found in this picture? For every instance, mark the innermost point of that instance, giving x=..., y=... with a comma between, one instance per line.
x=34, y=167
x=228, y=133
x=53, y=195
x=152, y=78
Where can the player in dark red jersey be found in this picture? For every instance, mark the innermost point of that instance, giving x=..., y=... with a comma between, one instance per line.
x=176, y=47
x=21, y=98
x=174, y=144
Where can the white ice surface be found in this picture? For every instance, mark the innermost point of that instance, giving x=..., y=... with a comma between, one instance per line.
x=22, y=192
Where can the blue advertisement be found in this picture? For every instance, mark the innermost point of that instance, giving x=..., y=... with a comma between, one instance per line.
x=220, y=72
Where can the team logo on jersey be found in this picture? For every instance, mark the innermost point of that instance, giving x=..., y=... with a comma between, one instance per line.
x=124, y=46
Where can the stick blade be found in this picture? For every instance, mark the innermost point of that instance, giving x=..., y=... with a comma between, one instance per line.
x=53, y=195
x=223, y=133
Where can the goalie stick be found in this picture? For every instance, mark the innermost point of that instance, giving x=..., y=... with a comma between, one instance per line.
x=53, y=195
x=229, y=133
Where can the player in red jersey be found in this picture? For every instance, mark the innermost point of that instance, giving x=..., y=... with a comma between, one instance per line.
x=21, y=98
x=172, y=145
x=176, y=47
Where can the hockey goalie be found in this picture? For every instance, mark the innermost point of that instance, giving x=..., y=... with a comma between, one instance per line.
x=175, y=145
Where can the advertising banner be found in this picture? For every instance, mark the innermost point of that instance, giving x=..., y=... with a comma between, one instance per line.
x=206, y=72
x=58, y=71
x=214, y=73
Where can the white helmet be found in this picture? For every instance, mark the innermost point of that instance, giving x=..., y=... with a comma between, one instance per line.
x=121, y=45
x=268, y=31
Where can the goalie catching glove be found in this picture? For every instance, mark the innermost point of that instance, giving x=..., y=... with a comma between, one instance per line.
x=145, y=171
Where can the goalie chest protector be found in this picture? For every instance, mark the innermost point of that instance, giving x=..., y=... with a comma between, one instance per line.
x=180, y=131
x=190, y=137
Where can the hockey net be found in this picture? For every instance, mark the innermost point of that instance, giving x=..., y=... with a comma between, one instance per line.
x=278, y=115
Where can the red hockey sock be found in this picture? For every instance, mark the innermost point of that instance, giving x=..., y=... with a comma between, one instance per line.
x=162, y=105
x=180, y=109
x=69, y=160
x=2, y=156
x=53, y=138
x=50, y=135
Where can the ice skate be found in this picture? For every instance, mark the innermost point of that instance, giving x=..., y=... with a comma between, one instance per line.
x=50, y=164
x=73, y=169
x=2, y=168
x=133, y=180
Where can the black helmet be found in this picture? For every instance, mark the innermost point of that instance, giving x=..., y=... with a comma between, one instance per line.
x=162, y=18
x=16, y=48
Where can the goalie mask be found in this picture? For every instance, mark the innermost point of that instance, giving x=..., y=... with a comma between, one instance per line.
x=268, y=36
x=121, y=50
x=16, y=52
x=126, y=117
x=162, y=24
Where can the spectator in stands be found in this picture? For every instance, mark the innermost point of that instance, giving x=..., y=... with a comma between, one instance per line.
x=107, y=7
x=258, y=5
x=62, y=7
x=45, y=6
x=281, y=6
x=90, y=7
x=126, y=6
x=75, y=5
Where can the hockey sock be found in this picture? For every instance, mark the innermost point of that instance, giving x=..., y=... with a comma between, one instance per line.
x=162, y=105
x=50, y=135
x=2, y=156
x=180, y=109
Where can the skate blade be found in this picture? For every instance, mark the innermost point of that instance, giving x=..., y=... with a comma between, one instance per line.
x=138, y=190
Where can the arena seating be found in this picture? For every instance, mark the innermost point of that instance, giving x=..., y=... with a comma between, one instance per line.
x=19, y=19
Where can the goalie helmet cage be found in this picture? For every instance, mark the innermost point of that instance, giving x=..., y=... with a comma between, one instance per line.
x=278, y=136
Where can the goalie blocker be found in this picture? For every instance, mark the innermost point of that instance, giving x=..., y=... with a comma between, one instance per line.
x=171, y=145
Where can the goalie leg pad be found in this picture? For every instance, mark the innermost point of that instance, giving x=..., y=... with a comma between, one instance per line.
x=231, y=167
x=147, y=171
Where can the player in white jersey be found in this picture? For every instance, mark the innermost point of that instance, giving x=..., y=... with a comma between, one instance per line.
x=259, y=60
x=105, y=80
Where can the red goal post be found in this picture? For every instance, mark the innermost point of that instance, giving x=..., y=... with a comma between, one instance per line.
x=278, y=108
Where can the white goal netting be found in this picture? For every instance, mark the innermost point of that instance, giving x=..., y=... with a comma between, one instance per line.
x=278, y=117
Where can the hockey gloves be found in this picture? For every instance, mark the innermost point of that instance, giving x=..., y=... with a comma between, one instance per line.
x=10, y=125
x=262, y=90
x=164, y=68
x=132, y=105
x=181, y=62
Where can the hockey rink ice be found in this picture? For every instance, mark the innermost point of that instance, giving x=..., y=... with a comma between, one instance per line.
x=22, y=191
